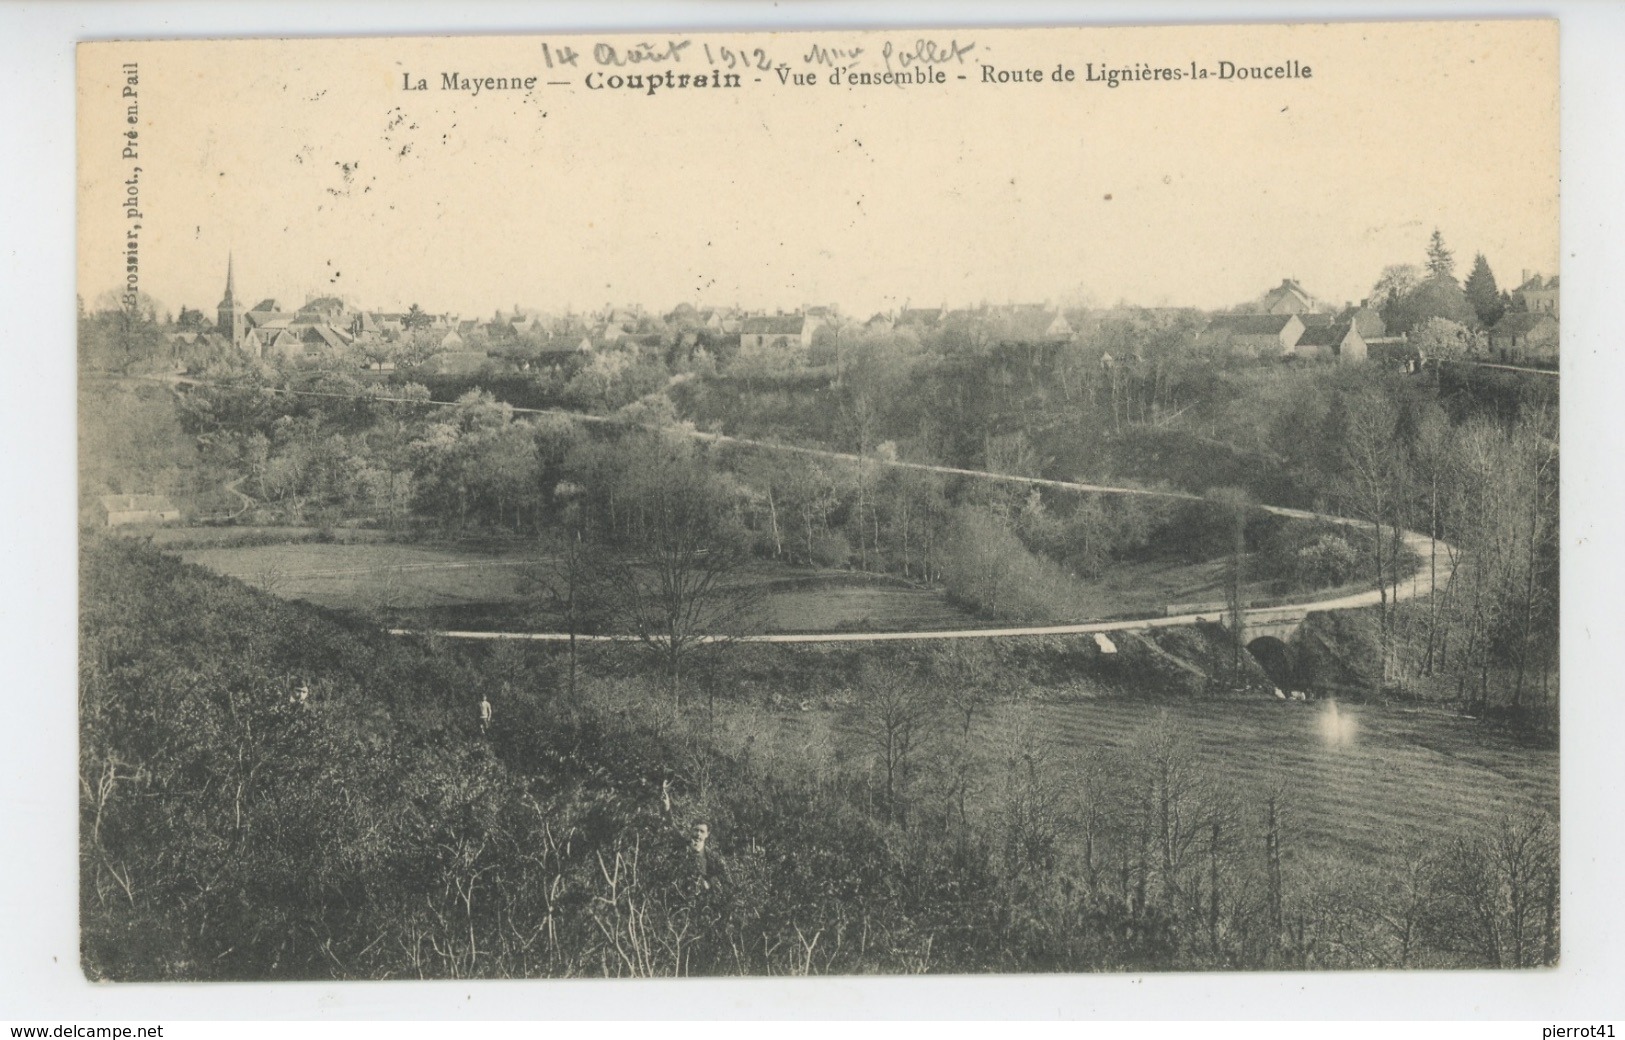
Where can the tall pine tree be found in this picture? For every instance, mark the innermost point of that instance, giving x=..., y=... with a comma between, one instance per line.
x=1441, y=261
x=1483, y=293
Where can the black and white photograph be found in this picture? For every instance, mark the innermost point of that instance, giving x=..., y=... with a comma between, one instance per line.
x=973, y=502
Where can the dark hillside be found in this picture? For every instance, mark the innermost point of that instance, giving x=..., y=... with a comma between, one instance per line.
x=231, y=832
x=234, y=828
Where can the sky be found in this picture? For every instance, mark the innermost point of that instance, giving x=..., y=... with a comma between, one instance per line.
x=307, y=162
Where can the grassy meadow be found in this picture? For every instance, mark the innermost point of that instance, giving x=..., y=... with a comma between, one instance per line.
x=459, y=586
x=1359, y=783
x=465, y=585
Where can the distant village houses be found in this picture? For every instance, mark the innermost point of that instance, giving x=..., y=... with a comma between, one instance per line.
x=1284, y=323
x=776, y=332
x=1252, y=335
x=1288, y=324
x=1287, y=298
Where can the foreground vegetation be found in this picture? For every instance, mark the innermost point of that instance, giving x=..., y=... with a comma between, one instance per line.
x=234, y=827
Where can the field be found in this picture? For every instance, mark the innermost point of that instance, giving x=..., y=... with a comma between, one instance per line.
x=369, y=577
x=461, y=587
x=237, y=535
x=1147, y=588
x=1356, y=786
x=452, y=586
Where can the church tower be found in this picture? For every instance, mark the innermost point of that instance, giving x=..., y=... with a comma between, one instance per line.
x=230, y=313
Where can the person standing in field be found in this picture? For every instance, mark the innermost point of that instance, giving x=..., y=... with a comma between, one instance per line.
x=485, y=713
x=702, y=834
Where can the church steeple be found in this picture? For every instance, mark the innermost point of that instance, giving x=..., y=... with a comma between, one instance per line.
x=230, y=315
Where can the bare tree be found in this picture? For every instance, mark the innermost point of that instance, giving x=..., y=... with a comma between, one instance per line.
x=896, y=714
x=1495, y=894
x=969, y=685
x=569, y=584
x=1234, y=504
x=678, y=577
x=1373, y=484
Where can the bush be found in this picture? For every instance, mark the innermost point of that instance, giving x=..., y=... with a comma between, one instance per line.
x=831, y=549
x=986, y=567
x=1329, y=561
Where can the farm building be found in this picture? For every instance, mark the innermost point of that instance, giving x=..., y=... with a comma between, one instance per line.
x=1526, y=336
x=138, y=509
x=1253, y=335
x=1287, y=298
x=921, y=317
x=1031, y=323
x=1538, y=294
x=1332, y=340
x=456, y=363
x=784, y=330
x=1368, y=323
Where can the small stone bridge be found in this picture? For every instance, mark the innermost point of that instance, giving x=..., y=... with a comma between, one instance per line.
x=1280, y=622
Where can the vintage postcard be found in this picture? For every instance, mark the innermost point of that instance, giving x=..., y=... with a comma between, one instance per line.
x=839, y=502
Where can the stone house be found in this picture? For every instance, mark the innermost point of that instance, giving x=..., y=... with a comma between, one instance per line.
x=776, y=331
x=1252, y=335
x=1526, y=337
x=1330, y=340
x=120, y=510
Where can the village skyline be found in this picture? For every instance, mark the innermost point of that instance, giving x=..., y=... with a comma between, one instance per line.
x=1481, y=317
x=250, y=297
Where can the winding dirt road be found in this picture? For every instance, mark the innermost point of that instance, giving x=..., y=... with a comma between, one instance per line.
x=1419, y=584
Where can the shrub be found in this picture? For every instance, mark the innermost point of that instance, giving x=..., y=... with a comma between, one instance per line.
x=1329, y=561
x=831, y=549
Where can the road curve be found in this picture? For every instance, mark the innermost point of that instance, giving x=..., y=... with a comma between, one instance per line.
x=1421, y=583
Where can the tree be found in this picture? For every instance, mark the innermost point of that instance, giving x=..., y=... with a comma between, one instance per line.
x=1501, y=513
x=571, y=583
x=1495, y=894
x=1031, y=804
x=970, y=682
x=1432, y=458
x=1483, y=294
x=1395, y=281
x=122, y=334
x=1373, y=483
x=677, y=582
x=1441, y=261
x=473, y=459
x=917, y=509
x=1440, y=339
x=896, y=713
x=804, y=494
x=415, y=319
x=1231, y=505
x=861, y=417
x=1438, y=296
x=1170, y=805
x=1391, y=288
